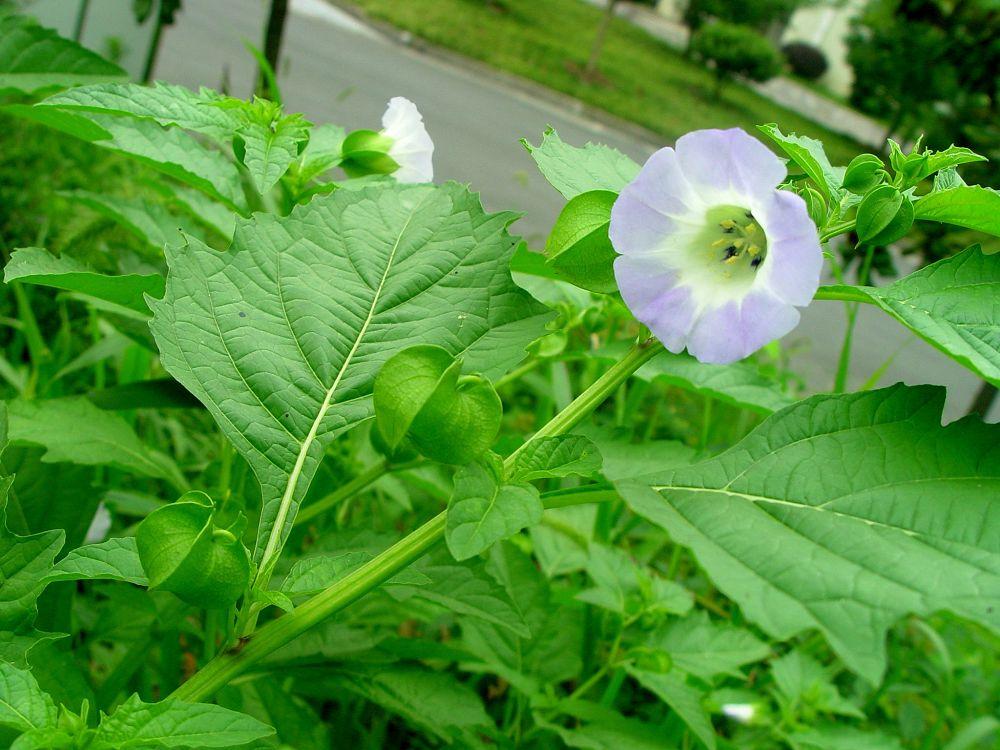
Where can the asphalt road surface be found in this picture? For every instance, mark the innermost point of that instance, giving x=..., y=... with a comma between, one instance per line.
x=335, y=69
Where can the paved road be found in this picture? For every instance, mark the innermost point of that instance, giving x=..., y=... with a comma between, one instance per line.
x=337, y=70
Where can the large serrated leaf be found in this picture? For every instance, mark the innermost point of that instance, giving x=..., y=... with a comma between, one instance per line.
x=33, y=58
x=953, y=304
x=844, y=513
x=572, y=170
x=166, y=104
x=281, y=337
x=170, y=151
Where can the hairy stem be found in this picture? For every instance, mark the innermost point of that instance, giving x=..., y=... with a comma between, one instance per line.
x=343, y=592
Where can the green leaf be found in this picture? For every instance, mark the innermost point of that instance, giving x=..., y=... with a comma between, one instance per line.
x=23, y=705
x=739, y=384
x=449, y=418
x=46, y=738
x=809, y=155
x=24, y=560
x=33, y=59
x=618, y=580
x=579, y=248
x=969, y=206
x=803, y=681
x=282, y=336
x=16, y=647
x=313, y=574
x=465, y=589
x=560, y=456
x=150, y=222
x=170, y=151
x=706, y=649
x=951, y=157
x=322, y=153
x=74, y=430
x=952, y=305
x=843, y=513
x=172, y=723
x=625, y=459
x=608, y=730
x=166, y=104
x=183, y=551
x=114, y=560
x=433, y=701
x=271, y=147
x=551, y=654
x=843, y=738
x=33, y=265
x=483, y=510
x=572, y=170
x=686, y=701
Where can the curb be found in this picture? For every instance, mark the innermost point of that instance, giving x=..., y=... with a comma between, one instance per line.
x=521, y=85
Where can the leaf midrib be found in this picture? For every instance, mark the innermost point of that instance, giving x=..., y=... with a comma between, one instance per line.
x=274, y=538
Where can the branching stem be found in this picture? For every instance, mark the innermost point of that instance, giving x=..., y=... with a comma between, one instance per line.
x=359, y=582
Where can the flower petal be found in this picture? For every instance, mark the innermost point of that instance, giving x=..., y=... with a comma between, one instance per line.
x=412, y=148
x=651, y=292
x=737, y=329
x=794, y=256
x=728, y=161
x=657, y=211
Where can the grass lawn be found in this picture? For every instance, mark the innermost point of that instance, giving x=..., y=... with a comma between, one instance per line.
x=643, y=79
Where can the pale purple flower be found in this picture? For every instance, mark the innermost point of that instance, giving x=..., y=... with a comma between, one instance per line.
x=411, y=148
x=712, y=256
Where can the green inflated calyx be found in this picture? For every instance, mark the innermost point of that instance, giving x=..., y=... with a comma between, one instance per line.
x=884, y=216
x=579, y=248
x=366, y=152
x=421, y=396
x=864, y=173
x=183, y=551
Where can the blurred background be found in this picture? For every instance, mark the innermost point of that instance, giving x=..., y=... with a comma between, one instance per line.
x=634, y=75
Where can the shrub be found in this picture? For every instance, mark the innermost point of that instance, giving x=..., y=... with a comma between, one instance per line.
x=805, y=60
x=736, y=51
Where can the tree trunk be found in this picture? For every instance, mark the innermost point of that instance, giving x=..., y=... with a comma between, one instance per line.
x=602, y=32
x=273, y=36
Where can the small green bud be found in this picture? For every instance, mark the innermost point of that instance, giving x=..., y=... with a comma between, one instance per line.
x=865, y=172
x=914, y=169
x=884, y=216
x=815, y=205
x=366, y=152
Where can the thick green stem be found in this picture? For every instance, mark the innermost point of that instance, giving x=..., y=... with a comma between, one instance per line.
x=221, y=670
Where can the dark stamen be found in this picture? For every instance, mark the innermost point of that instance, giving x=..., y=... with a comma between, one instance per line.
x=731, y=251
x=756, y=262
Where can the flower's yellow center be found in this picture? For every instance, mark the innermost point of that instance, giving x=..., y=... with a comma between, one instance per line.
x=735, y=240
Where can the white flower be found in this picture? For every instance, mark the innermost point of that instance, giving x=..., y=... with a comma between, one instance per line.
x=411, y=148
x=741, y=712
